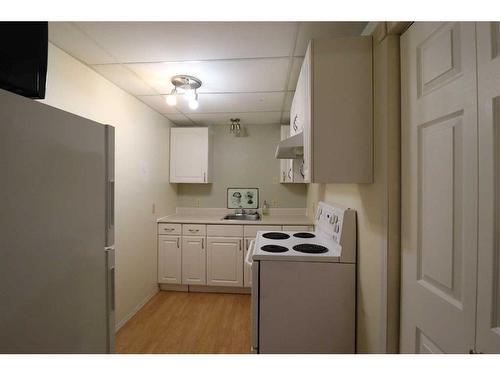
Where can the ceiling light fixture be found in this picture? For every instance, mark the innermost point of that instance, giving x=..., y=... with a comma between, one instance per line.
x=235, y=127
x=187, y=85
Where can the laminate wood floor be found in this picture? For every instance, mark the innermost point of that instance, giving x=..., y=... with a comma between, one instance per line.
x=178, y=322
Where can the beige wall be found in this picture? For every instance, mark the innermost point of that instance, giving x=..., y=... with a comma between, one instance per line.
x=377, y=205
x=246, y=161
x=142, y=139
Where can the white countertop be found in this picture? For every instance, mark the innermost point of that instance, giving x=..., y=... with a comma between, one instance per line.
x=277, y=216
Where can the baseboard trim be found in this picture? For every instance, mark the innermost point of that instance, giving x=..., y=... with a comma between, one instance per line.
x=205, y=289
x=174, y=288
x=134, y=311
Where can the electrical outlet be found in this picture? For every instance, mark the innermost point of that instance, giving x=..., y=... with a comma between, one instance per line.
x=197, y=204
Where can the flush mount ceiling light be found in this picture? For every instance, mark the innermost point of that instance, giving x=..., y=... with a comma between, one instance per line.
x=235, y=126
x=186, y=85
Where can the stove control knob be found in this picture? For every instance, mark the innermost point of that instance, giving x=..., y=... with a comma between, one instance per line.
x=335, y=219
x=336, y=228
x=332, y=219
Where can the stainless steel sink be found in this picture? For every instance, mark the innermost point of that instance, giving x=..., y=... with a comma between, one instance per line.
x=246, y=216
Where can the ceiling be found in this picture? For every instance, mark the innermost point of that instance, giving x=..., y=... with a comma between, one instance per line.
x=248, y=69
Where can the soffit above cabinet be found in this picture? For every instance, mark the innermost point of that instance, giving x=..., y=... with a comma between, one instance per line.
x=247, y=68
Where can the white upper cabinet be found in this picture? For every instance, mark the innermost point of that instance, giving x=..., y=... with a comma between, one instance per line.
x=291, y=170
x=299, y=110
x=333, y=108
x=190, y=155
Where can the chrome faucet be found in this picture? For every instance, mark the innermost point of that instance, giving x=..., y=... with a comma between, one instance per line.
x=242, y=211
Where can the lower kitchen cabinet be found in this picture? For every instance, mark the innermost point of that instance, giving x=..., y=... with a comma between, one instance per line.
x=224, y=260
x=194, y=261
x=169, y=259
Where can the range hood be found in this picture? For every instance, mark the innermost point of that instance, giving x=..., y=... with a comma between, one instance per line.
x=291, y=148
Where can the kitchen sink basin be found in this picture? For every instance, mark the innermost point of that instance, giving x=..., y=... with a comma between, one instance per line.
x=254, y=216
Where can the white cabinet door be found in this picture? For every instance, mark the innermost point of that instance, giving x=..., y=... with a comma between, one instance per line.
x=193, y=261
x=285, y=164
x=225, y=261
x=488, y=289
x=247, y=270
x=190, y=155
x=169, y=259
x=305, y=71
x=439, y=188
x=291, y=170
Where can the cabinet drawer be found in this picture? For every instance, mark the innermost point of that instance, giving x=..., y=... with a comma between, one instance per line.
x=166, y=228
x=251, y=230
x=194, y=229
x=225, y=230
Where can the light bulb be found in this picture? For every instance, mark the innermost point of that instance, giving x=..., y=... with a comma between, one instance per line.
x=171, y=99
x=194, y=104
x=190, y=94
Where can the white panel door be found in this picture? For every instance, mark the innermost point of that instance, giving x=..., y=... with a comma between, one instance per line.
x=488, y=298
x=189, y=155
x=439, y=188
x=225, y=261
x=194, y=261
x=169, y=259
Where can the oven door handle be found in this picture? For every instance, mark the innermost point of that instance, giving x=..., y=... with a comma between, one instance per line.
x=248, y=258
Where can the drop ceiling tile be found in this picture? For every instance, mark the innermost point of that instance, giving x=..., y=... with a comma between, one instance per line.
x=180, y=41
x=179, y=119
x=235, y=102
x=288, y=101
x=158, y=103
x=248, y=118
x=243, y=75
x=124, y=78
x=311, y=30
x=294, y=73
x=71, y=39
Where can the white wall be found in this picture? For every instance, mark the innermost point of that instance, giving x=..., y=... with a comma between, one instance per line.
x=245, y=161
x=142, y=154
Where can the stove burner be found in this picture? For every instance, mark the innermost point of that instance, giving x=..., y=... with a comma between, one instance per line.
x=304, y=235
x=310, y=248
x=274, y=249
x=276, y=235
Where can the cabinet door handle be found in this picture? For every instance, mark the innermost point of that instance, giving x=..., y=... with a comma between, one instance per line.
x=290, y=173
x=247, y=243
x=239, y=241
x=202, y=243
x=194, y=230
x=169, y=229
x=178, y=242
x=204, y=176
x=284, y=176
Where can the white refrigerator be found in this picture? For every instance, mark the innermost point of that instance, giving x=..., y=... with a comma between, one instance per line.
x=56, y=230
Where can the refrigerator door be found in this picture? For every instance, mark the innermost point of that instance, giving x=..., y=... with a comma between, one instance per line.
x=53, y=268
x=110, y=184
x=110, y=288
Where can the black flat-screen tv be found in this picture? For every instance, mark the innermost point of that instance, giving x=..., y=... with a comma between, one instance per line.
x=23, y=58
